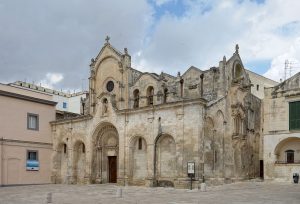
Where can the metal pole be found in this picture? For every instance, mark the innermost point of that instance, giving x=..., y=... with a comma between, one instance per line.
x=191, y=182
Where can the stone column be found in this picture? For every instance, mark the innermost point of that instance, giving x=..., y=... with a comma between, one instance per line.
x=150, y=163
x=88, y=163
x=121, y=157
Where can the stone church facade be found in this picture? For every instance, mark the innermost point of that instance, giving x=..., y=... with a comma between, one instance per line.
x=142, y=128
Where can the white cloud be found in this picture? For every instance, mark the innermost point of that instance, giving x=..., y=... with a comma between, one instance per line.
x=37, y=37
x=277, y=70
x=162, y=2
x=61, y=38
x=201, y=37
x=51, y=79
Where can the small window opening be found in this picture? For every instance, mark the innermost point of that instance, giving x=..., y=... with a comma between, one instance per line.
x=165, y=95
x=83, y=148
x=65, y=148
x=140, y=144
x=290, y=156
x=64, y=104
x=136, y=95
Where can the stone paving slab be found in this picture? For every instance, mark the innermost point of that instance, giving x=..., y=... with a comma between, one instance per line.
x=244, y=192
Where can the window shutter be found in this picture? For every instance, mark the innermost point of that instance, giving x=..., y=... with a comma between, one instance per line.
x=294, y=115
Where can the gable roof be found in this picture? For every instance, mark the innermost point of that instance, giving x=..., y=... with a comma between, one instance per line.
x=192, y=68
x=108, y=46
x=155, y=77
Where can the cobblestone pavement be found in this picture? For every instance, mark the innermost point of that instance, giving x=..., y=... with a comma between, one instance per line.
x=244, y=192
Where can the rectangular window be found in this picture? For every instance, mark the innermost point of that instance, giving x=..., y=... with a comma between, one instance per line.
x=257, y=87
x=32, y=155
x=64, y=105
x=294, y=115
x=32, y=121
x=32, y=163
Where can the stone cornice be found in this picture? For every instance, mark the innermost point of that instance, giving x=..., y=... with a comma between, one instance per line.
x=23, y=141
x=182, y=102
x=27, y=98
x=75, y=119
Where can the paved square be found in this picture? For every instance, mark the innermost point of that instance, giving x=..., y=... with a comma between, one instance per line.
x=244, y=192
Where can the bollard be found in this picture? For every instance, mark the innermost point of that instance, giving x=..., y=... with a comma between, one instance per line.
x=296, y=177
x=203, y=187
x=119, y=193
x=49, y=198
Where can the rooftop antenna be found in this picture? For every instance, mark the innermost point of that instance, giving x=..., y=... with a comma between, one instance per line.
x=286, y=68
x=289, y=66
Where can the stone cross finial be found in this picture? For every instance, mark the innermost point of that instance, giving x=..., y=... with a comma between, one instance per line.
x=107, y=39
x=237, y=48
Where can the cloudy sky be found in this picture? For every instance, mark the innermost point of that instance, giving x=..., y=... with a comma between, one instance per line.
x=52, y=41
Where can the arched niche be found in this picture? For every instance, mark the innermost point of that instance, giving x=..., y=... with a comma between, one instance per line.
x=237, y=71
x=138, y=160
x=218, y=143
x=79, y=161
x=166, y=162
x=61, y=162
x=209, y=146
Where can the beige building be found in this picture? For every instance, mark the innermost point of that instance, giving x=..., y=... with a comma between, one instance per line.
x=25, y=136
x=259, y=83
x=143, y=128
x=66, y=102
x=282, y=130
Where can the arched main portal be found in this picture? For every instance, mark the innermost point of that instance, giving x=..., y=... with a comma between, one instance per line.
x=105, y=155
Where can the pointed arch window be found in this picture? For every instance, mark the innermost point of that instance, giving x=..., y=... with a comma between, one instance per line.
x=136, y=98
x=237, y=71
x=238, y=125
x=165, y=95
x=150, y=95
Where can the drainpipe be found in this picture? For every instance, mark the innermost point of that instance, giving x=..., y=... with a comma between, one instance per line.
x=1, y=161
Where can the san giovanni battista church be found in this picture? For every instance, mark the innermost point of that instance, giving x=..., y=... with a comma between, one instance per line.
x=141, y=128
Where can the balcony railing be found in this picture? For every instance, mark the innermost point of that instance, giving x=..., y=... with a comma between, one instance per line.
x=285, y=162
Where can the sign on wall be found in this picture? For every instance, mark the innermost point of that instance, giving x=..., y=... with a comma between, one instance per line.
x=191, y=168
x=32, y=165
